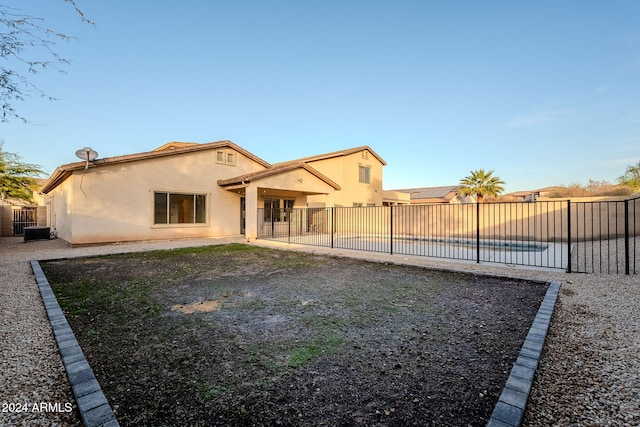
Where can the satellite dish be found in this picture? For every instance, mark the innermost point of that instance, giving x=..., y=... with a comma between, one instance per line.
x=87, y=154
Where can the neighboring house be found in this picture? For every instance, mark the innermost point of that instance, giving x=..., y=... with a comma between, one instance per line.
x=523, y=196
x=429, y=195
x=395, y=198
x=182, y=190
x=533, y=195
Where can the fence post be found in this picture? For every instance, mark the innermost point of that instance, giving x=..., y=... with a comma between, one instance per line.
x=333, y=224
x=569, y=236
x=273, y=224
x=391, y=229
x=626, y=237
x=477, y=232
x=302, y=215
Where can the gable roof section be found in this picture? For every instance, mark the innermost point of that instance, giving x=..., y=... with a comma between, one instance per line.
x=333, y=154
x=172, y=145
x=170, y=149
x=275, y=170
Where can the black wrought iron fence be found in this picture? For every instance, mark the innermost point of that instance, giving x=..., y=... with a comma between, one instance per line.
x=595, y=237
x=604, y=236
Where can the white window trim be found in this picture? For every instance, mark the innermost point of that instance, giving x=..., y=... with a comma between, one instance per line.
x=226, y=160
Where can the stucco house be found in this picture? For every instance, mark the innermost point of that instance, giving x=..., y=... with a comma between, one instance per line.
x=183, y=189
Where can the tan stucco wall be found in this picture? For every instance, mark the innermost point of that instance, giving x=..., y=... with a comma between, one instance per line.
x=115, y=202
x=396, y=197
x=297, y=180
x=60, y=210
x=540, y=221
x=42, y=216
x=6, y=220
x=344, y=170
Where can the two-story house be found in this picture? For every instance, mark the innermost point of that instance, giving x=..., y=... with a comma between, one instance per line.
x=186, y=190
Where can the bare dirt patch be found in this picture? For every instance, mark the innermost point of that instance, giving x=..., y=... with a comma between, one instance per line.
x=295, y=339
x=197, y=307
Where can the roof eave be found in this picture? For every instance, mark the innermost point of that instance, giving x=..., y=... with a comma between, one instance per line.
x=57, y=178
x=339, y=153
x=64, y=171
x=247, y=178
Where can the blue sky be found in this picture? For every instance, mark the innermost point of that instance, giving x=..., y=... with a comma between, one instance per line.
x=543, y=92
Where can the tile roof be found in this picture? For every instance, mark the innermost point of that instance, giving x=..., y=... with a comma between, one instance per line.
x=170, y=149
x=430, y=192
x=175, y=147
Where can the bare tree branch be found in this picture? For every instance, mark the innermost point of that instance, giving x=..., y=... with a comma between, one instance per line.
x=27, y=47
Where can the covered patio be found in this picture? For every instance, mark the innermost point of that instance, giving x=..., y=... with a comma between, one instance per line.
x=267, y=195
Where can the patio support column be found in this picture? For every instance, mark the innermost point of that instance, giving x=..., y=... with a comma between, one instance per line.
x=251, y=200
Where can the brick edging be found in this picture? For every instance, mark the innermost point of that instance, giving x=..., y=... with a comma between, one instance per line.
x=92, y=403
x=511, y=405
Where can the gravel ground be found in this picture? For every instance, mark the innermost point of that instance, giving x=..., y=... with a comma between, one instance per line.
x=31, y=369
x=589, y=373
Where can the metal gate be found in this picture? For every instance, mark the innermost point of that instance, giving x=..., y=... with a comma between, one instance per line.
x=24, y=217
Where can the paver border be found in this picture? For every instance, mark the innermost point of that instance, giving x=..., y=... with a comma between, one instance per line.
x=511, y=405
x=92, y=403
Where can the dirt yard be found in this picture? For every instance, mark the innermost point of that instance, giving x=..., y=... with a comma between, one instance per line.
x=247, y=336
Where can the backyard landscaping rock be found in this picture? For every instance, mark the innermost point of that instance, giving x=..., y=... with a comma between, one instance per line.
x=590, y=372
x=34, y=390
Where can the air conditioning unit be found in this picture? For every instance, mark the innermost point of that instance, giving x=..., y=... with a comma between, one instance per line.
x=37, y=233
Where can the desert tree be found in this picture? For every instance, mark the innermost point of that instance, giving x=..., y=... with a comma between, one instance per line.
x=17, y=178
x=480, y=184
x=27, y=47
x=631, y=177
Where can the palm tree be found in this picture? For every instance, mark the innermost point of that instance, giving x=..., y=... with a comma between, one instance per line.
x=481, y=184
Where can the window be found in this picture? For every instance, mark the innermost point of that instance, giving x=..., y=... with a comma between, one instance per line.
x=364, y=174
x=175, y=208
x=226, y=157
x=288, y=206
x=276, y=211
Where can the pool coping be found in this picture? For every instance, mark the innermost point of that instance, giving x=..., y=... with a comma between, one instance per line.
x=91, y=401
x=511, y=405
